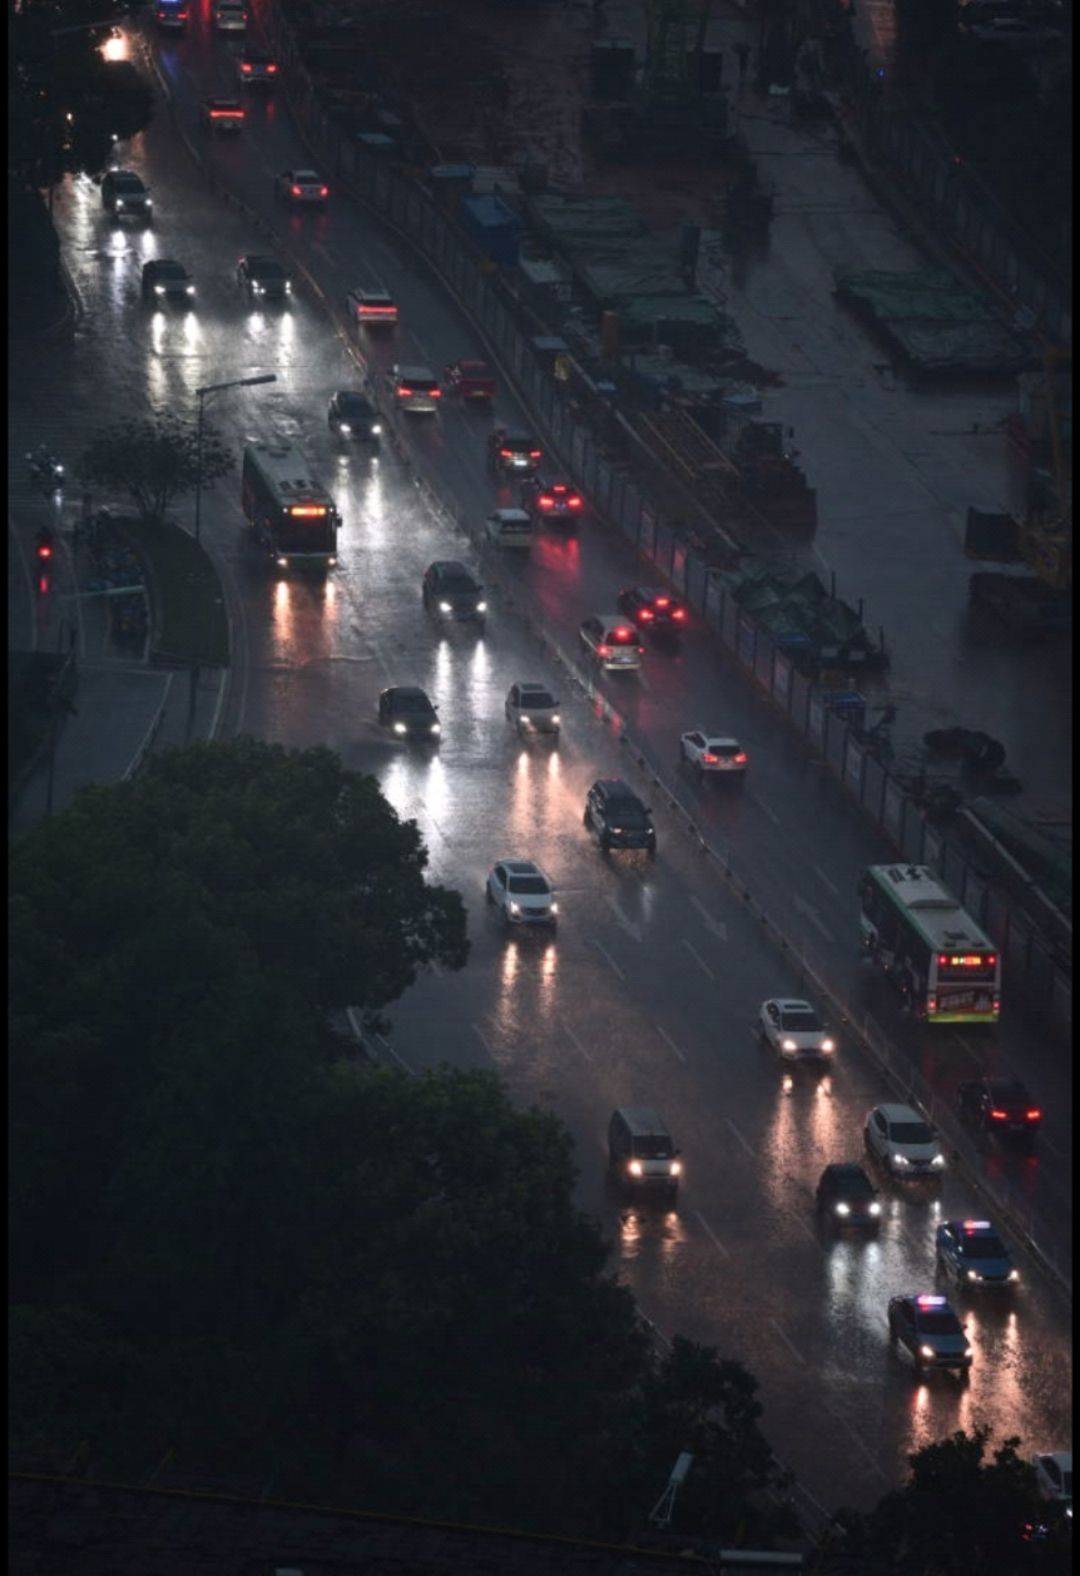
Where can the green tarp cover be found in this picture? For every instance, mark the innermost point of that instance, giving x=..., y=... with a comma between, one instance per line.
x=576, y=223
x=934, y=320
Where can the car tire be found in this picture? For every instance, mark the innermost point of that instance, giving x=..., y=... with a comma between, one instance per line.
x=585, y=820
x=605, y=843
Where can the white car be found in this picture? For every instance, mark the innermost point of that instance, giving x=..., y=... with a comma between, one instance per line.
x=230, y=16
x=509, y=528
x=1053, y=1472
x=794, y=1029
x=372, y=308
x=523, y=892
x=902, y=1142
x=301, y=186
x=713, y=752
x=532, y=708
x=612, y=641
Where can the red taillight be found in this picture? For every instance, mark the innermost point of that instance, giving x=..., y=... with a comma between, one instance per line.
x=307, y=510
x=545, y=502
x=271, y=69
x=1033, y=1116
x=997, y=1003
x=226, y=114
x=573, y=502
x=740, y=758
x=931, y=1004
x=506, y=454
x=710, y=760
x=245, y=68
x=403, y=390
x=324, y=191
x=999, y=1116
x=678, y=612
x=435, y=393
x=662, y=601
x=44, y=551
x=534, y=454
x=296, y=191
x=623, y=635
x=603, y=651
x=645, y=614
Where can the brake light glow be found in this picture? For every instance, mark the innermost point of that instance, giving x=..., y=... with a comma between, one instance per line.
x=307, y=510
x=324, y=191
x=999, y=1116
x=603, y=651
x=646, y=614
x=534, y=454
x=271, y=69
x=44, y=551
x=506, y=454
x=710, y=760
x=296, y=191
x=678, y=612
x=377, y=311
x=245, y=68
x=662, y=601
x=435, y=393
x=226, y=114
x=930, y=1302
x=741, y=757
x=1033, y=1116
x=976, y=1225
x=573, y=502
x=403, y=390
x=546, y=501
x=931, y=1004
x=966, y=960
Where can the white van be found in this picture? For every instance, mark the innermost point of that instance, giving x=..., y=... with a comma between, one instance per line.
x=509, y=528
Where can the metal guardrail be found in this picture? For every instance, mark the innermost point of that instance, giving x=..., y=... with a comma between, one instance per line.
x=1034, y=968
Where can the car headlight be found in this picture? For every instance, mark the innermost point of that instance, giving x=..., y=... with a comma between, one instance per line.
x=190, y=289
x=343, y=426
x=556, y=718
x=399, y=727
x=436, y=727
x=159, y=289
x=258, y=289
x=515, y=908
x=635, y=1168
x=938, y=1160
x=376, y=428
x=900, y=1160
x=875, y=1208
x=481, y=607
x=1014, y=1275
x=283, y=563
x=788, y=1045
x=843, y=1209
x=444, y=607
x=554, y=909
x=828, y=1045
x=331, y=561
x=288, y=287
x=969, y=1351
x=973, y=1275
x=926, y=1351
x=149, y=204
x=676, y=1168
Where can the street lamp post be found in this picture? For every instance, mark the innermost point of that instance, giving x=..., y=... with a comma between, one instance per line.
x=216, y=388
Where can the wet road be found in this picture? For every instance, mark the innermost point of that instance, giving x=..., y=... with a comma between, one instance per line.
x=649, y=991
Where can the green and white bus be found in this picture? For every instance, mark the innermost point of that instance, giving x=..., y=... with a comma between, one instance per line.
x=947, y=969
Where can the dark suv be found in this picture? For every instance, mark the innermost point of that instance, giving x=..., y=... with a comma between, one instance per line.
x=263, y=278
x=1002, y=1107
x=164, y=279
x=123, y=194
x=847, y=1197
x=642, y=1157
x=617, y=817
x=452, y=592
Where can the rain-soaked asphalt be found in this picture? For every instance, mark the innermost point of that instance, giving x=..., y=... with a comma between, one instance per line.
x=649, y=991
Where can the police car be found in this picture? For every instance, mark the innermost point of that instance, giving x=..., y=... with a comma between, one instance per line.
x=974, y=1255
x=928, y=1329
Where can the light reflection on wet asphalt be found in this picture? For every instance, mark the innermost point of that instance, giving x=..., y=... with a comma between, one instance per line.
x=617, y=1008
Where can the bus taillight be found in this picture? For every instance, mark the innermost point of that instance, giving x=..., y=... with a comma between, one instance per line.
x=307, y=510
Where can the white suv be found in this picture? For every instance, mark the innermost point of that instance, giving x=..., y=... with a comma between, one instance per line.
x=905, y=1145
x=522, y=892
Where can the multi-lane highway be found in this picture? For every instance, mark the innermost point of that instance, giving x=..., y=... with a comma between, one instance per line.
x=649, y=992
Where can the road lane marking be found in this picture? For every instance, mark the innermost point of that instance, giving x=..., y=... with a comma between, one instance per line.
x=792, y=1348
x=484, y=1041
x=568, y=1031
x=629, y=925
x=724, y=1254
x=835, y=890
x=812, y=915
x=698, y=959
x=664, y=1035
x=606, y=955
x=739, y=1136
x=716, y=926
x=863, y=1448
x=764, y=808
x=357, y=1029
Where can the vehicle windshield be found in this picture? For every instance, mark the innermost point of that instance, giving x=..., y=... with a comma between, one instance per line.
x=910, y=1133
x=171, y=271
x=517, y=440
x=800, y=1022
x=411, y=703
x=654, y=1148
x=939, y=1321
x=127, y=183
x=1009, y=1094
x=532, y=886
x=353, y=405
x=266, y=268
x=984, y=1248
x=537, y=700
x=419, y=383
x=855, y=1186
x=627, y=814
x=459, y=585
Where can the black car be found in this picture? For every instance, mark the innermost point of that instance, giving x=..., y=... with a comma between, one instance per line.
x=652, y=610
x=617, y=817
x=263, y=278
x=452, y=592
x=847, y=1197
x=551, y=501
x=408, y=714
x=165, y=279
x=350, y=415
x=926, y=1327
x=254, y=68
x=1001, y=1106
x=513, y=452
x=123, y=194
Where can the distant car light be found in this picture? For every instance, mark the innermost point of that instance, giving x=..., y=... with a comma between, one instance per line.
x=376, y=428
x=788, y=1045
x=554, y=909
x=399, y=727
x=343, y=426
x=828, y=1045
x=901, y=1160
x=635, y=1168
x=444, y=607
x=843, y=1209
x=675, y=1168
x=926, y=1351
x=515, y=908
x=875, y=1208
x=938, y=1160
x=436, y=727
x=283, y=563
x=159, y=289
x=1014, y=1275
x=481, y=607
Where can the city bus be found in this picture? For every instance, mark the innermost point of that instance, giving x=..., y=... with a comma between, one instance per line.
x=291, y=517
x=947, y=969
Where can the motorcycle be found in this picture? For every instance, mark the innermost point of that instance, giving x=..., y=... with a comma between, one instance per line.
x=45, y=467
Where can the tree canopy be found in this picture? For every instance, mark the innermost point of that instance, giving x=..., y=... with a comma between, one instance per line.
x=240, y=1247
x=960, y=1513
x=154, y=460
